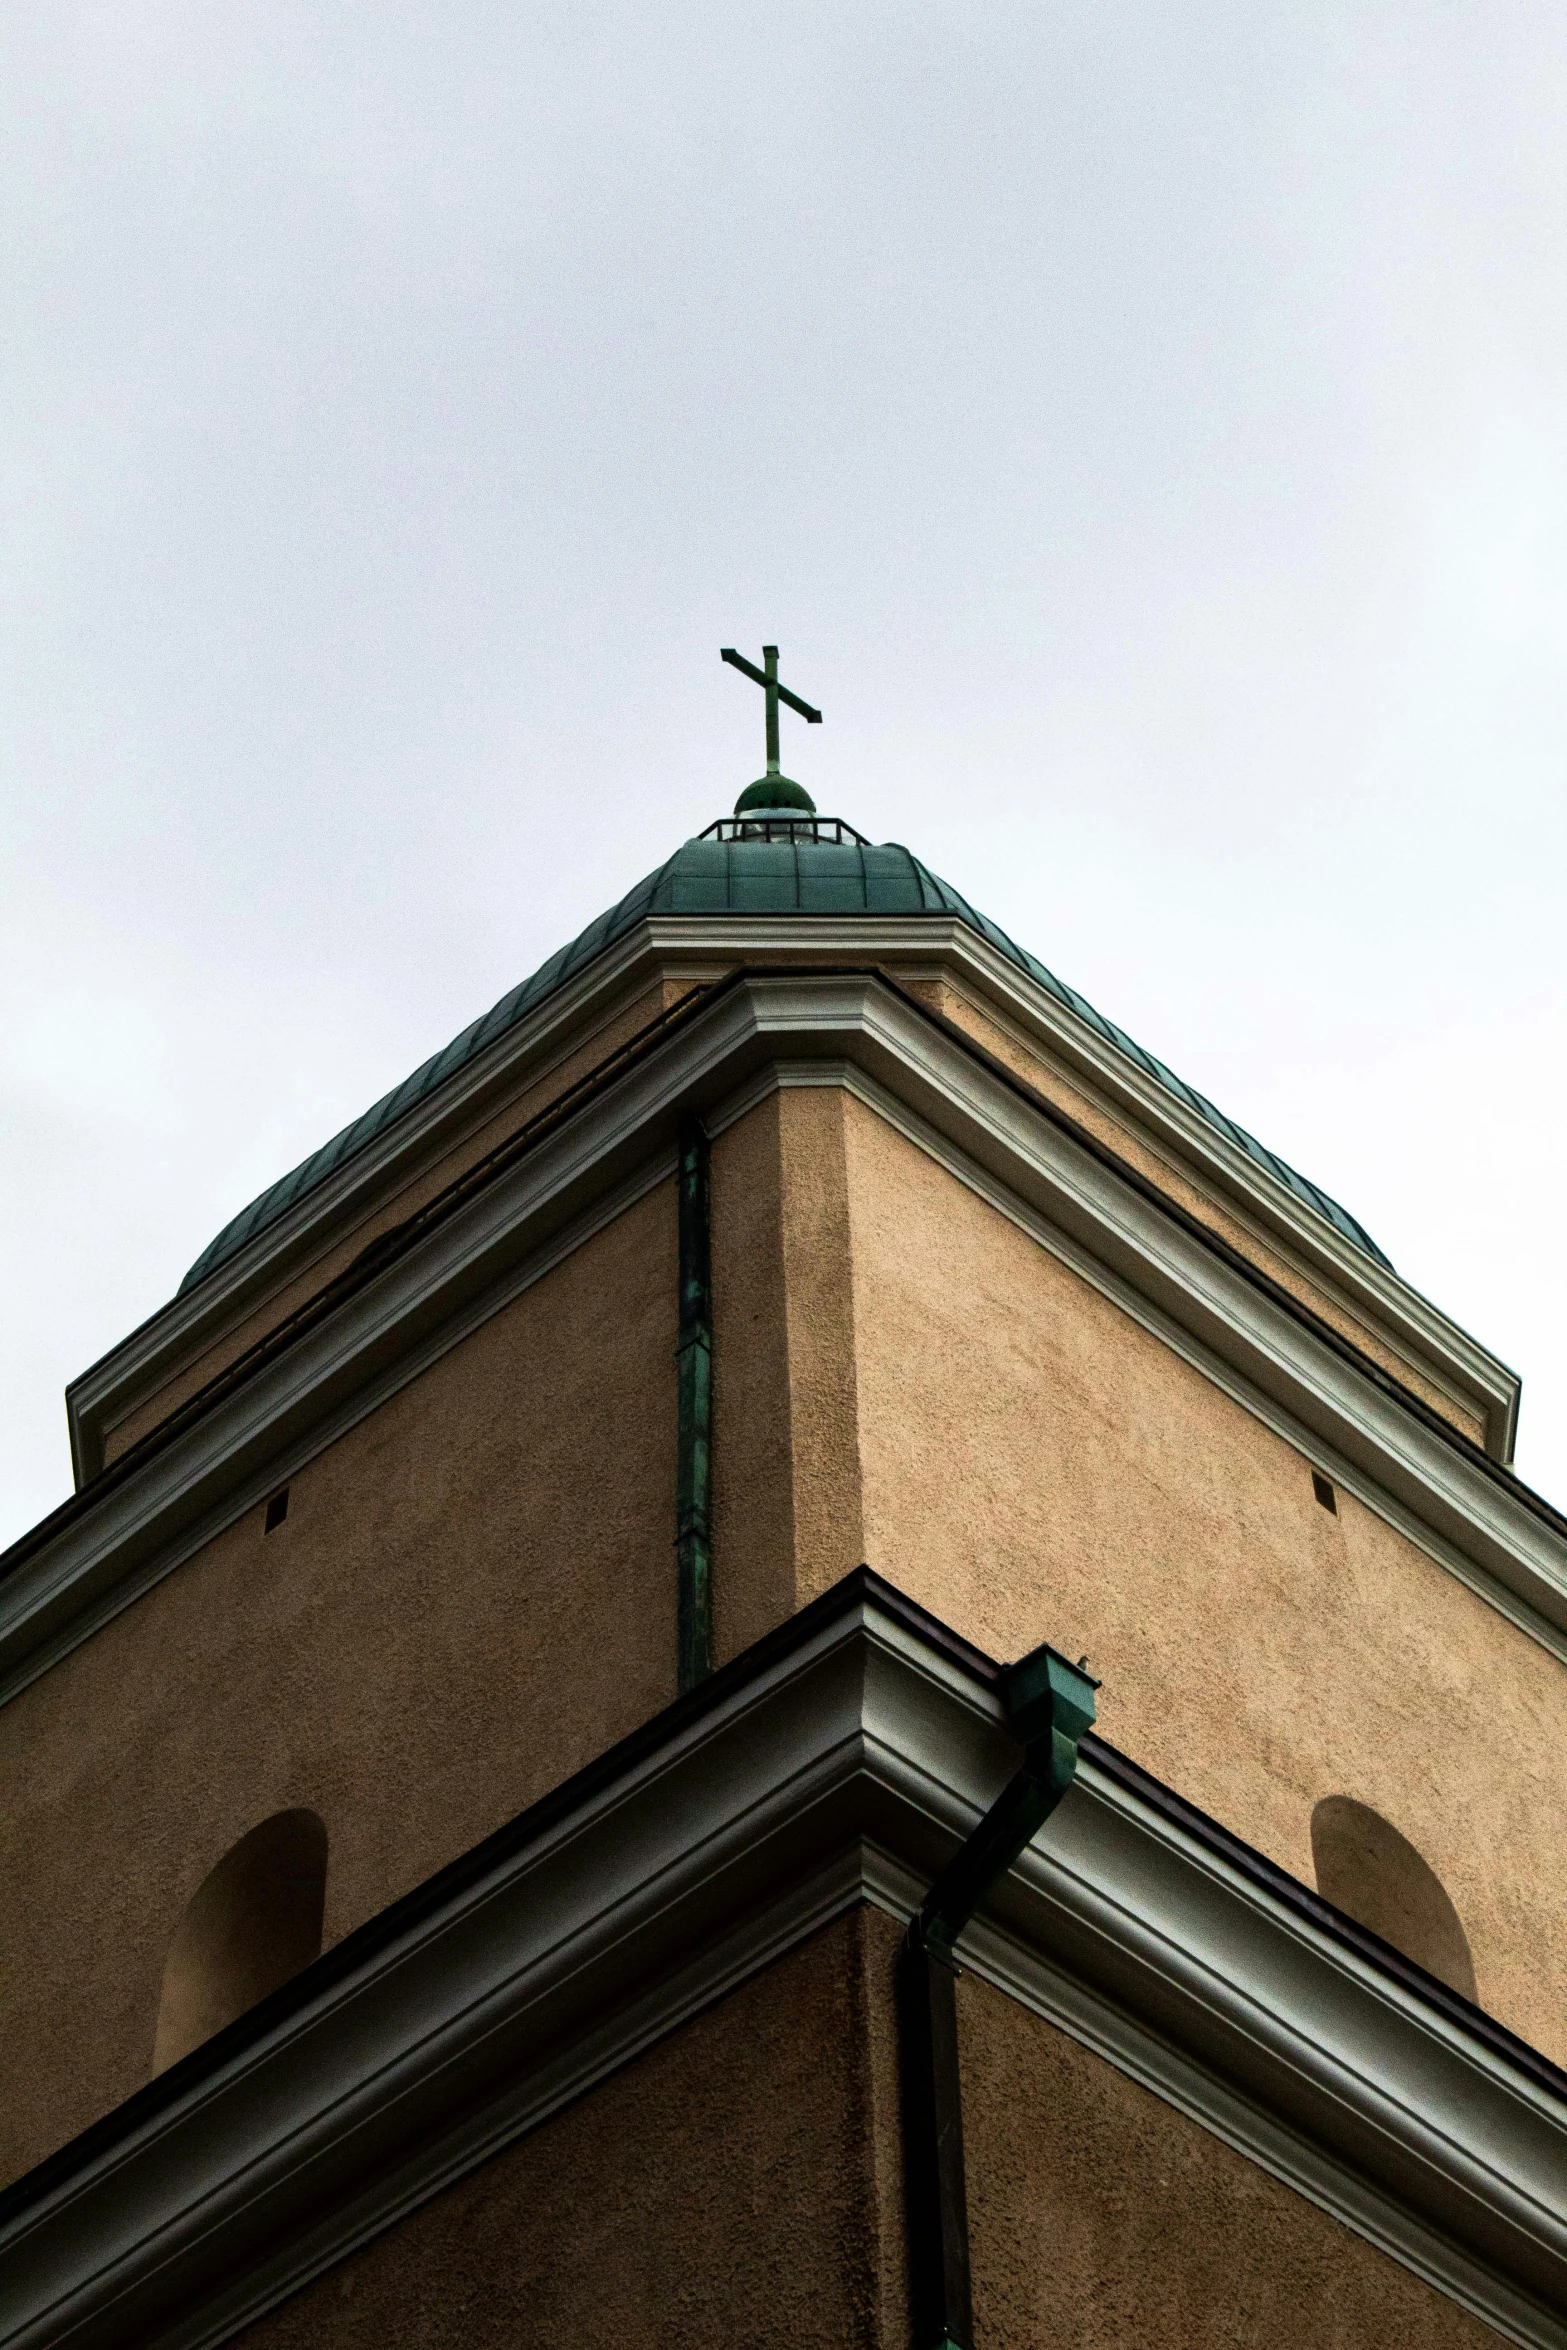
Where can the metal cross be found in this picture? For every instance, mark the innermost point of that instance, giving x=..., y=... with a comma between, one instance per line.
x=768, y=679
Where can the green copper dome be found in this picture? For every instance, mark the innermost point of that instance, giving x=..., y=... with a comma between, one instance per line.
x=791, y=863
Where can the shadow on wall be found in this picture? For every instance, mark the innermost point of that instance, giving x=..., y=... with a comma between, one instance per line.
x=253, y=1922
x=1367, y=1869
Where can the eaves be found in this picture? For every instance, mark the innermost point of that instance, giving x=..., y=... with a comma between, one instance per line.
x=1365, y=1286
x=420, y=1291
x=280, y=1254
x=837, y=1761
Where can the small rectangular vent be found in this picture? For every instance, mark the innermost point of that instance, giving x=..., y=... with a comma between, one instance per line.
x=277, y=1510
x=1322, y=1489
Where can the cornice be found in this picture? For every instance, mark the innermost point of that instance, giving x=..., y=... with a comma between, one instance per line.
x=181, y=1329
x=1535, y=1603
x=1440, y=1347
x=1072, y=1193
x=837, y=1761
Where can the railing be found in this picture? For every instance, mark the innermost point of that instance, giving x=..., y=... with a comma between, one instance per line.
x=830, y=830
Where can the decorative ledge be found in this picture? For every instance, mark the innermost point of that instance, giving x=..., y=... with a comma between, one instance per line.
x=409, y=1304
x=837, y=1761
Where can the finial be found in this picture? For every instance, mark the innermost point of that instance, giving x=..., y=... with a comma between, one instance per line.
x=772, y=790
x=775, y=791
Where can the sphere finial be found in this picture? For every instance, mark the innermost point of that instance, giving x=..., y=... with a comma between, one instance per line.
x=775, y=791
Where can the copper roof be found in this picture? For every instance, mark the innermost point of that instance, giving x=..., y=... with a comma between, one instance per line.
x=807, y=866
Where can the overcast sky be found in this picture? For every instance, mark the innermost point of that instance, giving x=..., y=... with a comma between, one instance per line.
x=1144, y=428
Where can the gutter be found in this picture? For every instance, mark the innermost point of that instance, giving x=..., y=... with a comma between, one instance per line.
x=1049, y=1705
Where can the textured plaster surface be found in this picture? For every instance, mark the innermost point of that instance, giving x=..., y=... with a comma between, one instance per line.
x=742, y=2182
x=1038, y=1466
x=1101, y=2217
x=471, y=1596
x=753, y=1454
x=737, y=2184
x=529, y=1091
x=819, y=1324
x=787, y=1476
x=1181, y=1184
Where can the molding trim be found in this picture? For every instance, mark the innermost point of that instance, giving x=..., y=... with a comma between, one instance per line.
x=63, y=1598
x=1347, y=1474
x=941, y=946
x=839, y=1760
x=939, y=1088
x=1457, y=1362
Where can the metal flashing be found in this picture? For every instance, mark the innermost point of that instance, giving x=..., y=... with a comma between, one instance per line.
x=694, y=1413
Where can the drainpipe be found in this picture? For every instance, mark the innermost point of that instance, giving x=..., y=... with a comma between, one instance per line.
x=1049, y=1704
x=694, y=1415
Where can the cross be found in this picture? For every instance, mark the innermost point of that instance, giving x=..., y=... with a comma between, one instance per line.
x=768, y=679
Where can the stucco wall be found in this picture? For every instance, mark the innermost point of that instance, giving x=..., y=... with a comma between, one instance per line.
x=753, y=1450
x=742, y=2183
x=471, y=1596
x=1101, y=2217
x=786, y=1451
x=1038, y=1466
x=736, y=2185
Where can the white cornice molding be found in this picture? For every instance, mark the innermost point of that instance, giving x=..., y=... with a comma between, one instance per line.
x=1367, y=1288
x=111, y=1556
x=1314, y=1438
x=1114, y=1228
x=1364, y=1287
x=837, y=1762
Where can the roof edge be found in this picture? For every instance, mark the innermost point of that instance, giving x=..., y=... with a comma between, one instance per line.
x=933, y=896
x=1135, y=1923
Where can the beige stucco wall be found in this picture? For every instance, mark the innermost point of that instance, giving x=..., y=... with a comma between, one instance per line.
x=1036, y=1466
x=471, y=1596
x=999, y=1439
x=742, y=2183
x=753, y=1448
x=473, y=1592
x=736, y=2185
x=786, y=1477
x=1101, y=2217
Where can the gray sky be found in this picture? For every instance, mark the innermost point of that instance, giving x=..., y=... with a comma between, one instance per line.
x=1141, y=426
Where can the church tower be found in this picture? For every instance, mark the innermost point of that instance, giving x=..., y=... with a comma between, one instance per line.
x=792, y=1655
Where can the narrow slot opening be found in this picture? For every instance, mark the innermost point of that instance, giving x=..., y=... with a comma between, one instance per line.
x=277, y=1510
x=1319, y=1486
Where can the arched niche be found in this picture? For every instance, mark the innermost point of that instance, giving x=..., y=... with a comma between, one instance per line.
x=1366, y=1868
x=253, y=1922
